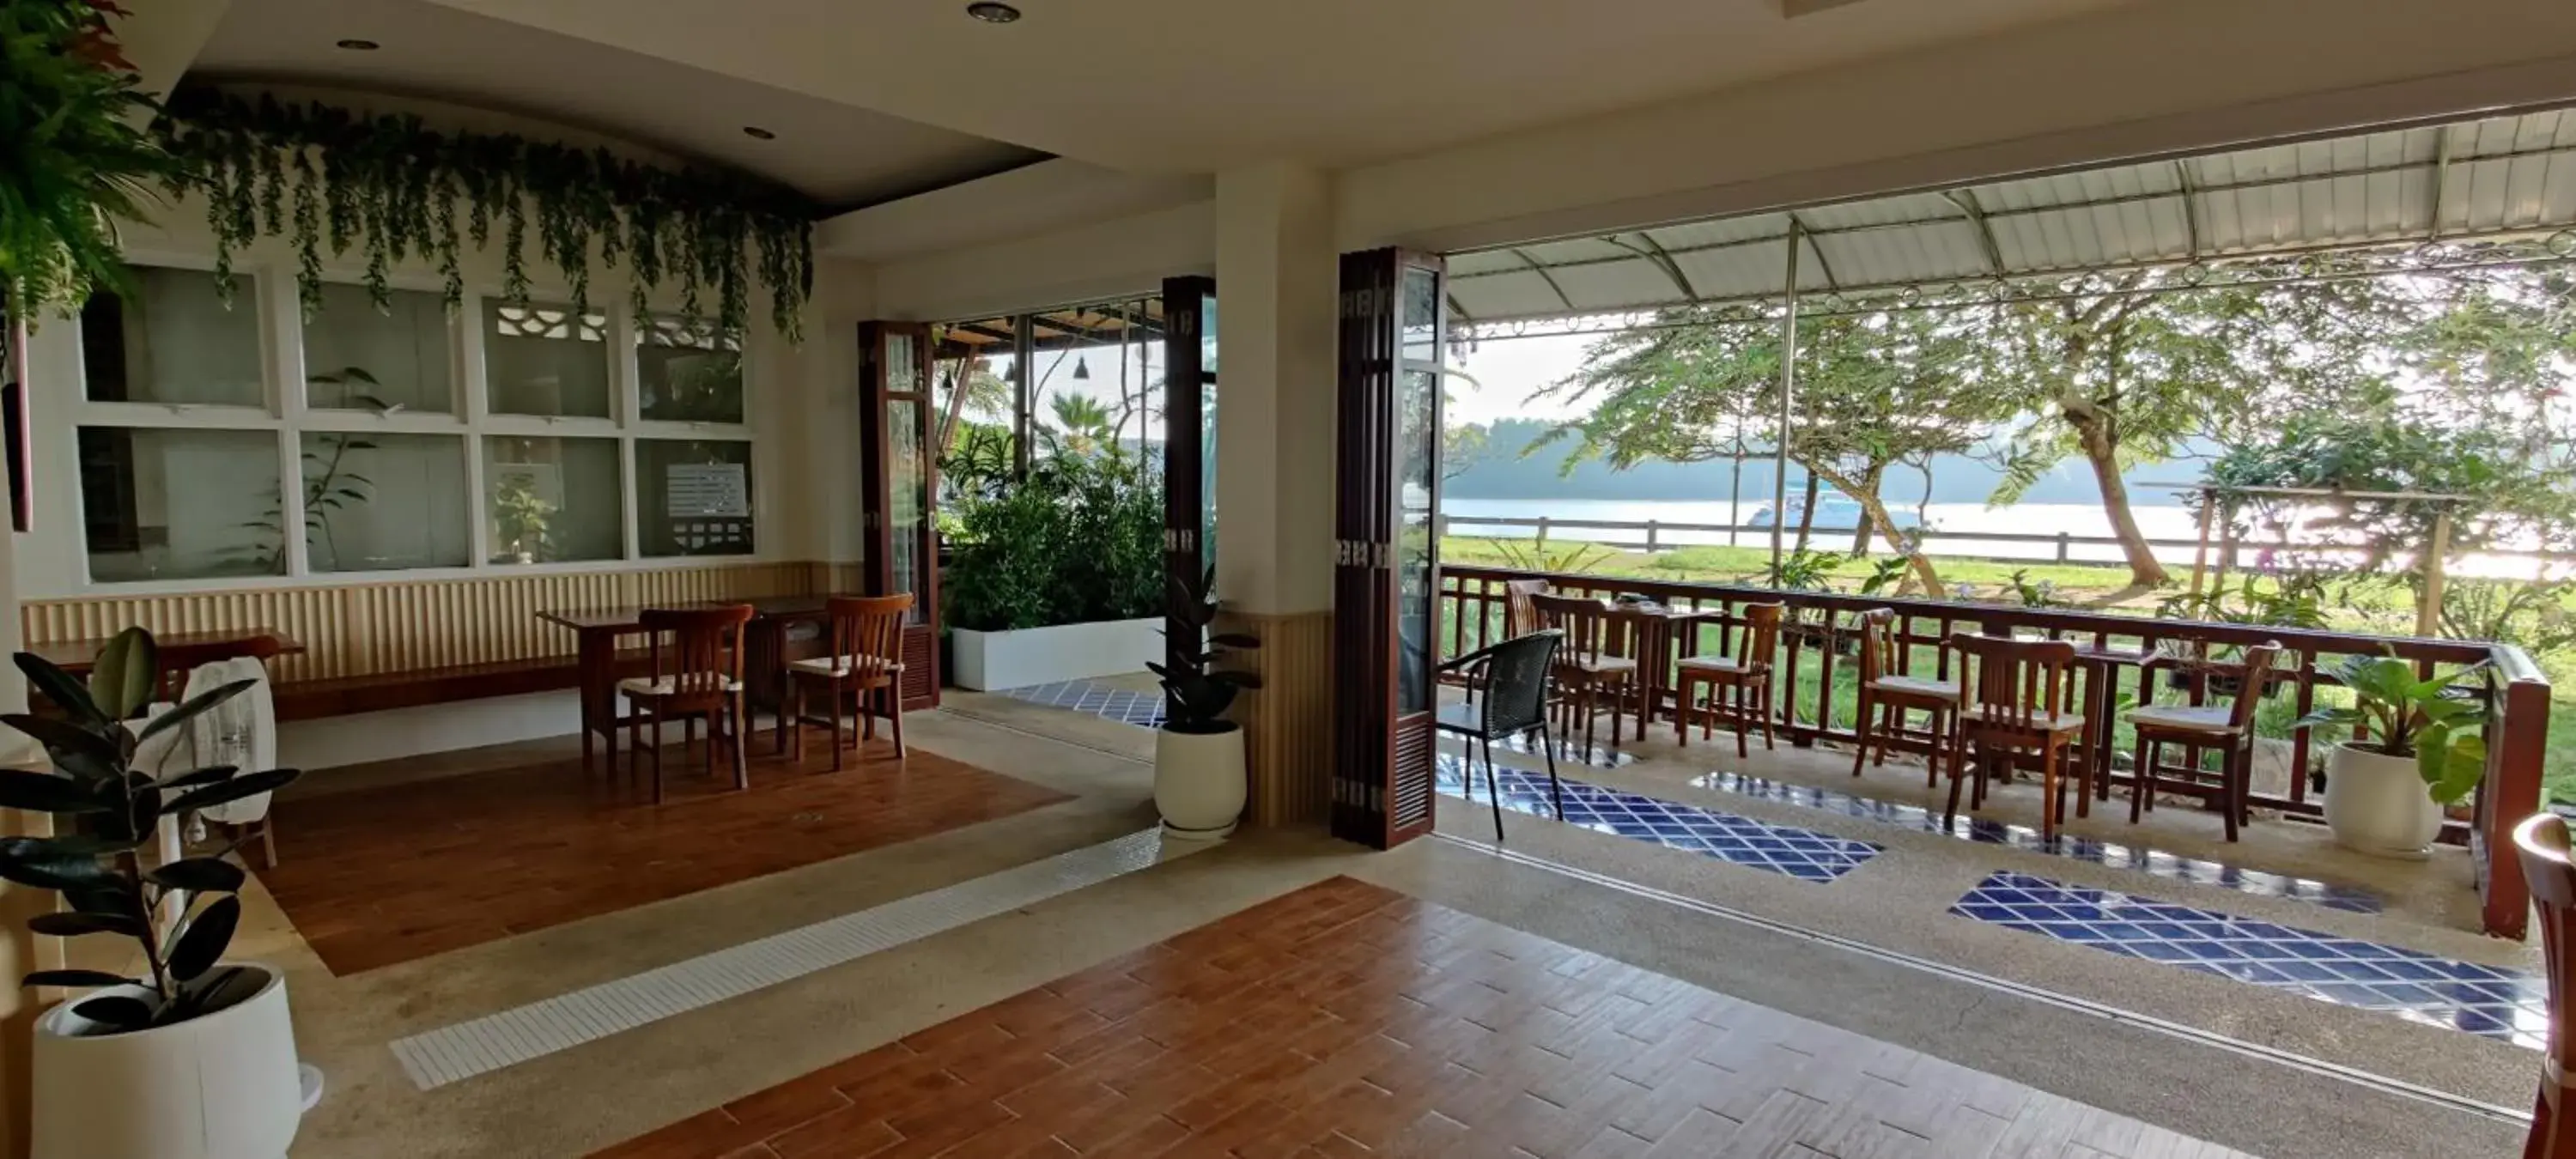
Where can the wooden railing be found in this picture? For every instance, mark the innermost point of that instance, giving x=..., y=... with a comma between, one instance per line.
x=1655, y=535
x=1471, y=604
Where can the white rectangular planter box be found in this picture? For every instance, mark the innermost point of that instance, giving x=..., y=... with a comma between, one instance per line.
x=990, y=661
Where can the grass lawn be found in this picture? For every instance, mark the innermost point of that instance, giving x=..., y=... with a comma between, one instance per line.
x=2073, y=583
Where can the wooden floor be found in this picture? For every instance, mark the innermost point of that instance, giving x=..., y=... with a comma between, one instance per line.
x=380, y=876
x=1345, y=1019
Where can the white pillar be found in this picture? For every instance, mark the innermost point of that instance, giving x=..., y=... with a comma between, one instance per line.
x=1277, y=282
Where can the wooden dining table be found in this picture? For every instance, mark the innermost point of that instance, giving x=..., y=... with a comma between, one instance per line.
x=1646, y=632
x=768, y=645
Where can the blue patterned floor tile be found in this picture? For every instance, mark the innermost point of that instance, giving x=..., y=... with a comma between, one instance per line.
x=2154, y=863
x=1799, y=853
x=2484, y=1000
x=1143, y=709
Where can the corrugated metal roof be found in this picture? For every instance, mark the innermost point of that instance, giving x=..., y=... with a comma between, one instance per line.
x=2493, y=179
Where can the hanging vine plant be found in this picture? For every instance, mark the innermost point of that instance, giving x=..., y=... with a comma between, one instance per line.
x=324, y=176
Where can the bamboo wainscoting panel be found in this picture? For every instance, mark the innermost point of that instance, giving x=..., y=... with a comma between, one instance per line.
x=369, y=629
x=1288, y=722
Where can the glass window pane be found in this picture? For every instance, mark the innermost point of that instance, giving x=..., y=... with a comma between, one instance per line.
x=179, y=504
x=403, y=348
x=539, y=362
x=174, y=341
x=693, y=496
x=908, y=485
x=385, y=502
x=690, y=372
x=551, y=499
x=1417, y=450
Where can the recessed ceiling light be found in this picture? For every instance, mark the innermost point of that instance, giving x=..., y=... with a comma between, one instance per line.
x=360, y=45
x=991, y=12
x=757, y=133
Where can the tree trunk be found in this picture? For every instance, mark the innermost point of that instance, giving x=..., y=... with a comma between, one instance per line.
x=1869, y=509
x=1807, y=514
x=1874, y=515
x=2144, y=570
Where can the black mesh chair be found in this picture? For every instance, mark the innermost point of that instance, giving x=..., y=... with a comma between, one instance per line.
x=1507, y=690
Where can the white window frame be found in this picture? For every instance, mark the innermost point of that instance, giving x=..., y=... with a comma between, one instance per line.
x=270, y=289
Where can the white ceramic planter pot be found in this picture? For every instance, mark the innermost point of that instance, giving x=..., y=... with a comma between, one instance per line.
x=990, y=661
x=1199, y=782
x=223, y=1086
x=2377, y=804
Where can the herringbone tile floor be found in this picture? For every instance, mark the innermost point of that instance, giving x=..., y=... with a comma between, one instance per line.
x=1346, y=1019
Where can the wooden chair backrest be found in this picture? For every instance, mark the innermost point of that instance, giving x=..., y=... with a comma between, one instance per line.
x=1877, y=644
x=2249, y=694
x=2540, y=843
x=704, y=649
x=1584, y=621
x=1520, y=616
x=2017, y=684
x=1760, y=643
x=865, y=628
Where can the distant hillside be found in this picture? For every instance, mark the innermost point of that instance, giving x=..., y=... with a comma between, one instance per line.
x=1503, y=473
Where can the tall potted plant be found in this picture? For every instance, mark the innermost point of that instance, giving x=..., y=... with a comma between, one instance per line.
x=1199, y=778
x=2425, y=749
x=195, y=1059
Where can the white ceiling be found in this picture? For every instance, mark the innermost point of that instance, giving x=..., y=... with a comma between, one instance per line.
x=1197, y=85
x=838, y=154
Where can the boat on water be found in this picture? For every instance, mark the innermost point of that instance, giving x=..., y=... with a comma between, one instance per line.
x=1833, y=513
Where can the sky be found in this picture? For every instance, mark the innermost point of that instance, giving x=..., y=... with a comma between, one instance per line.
x=1507, y=371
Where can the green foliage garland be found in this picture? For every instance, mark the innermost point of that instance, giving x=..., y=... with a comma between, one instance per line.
x=320, y=175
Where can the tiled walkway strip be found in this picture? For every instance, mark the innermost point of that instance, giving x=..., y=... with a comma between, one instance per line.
x=438, y=1057
x=1800, y=853
x=2484, y=1000
x=2154, y=863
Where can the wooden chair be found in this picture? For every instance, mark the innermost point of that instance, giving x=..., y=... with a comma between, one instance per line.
x=1520, y=613
x=2229, y=729
x=1513, y=676
x=1885, y=686
x=1744, y=679
x=2016, y=693
x=1585, y=669
x=697, y=674
x=866, y=660
x=2540, y=843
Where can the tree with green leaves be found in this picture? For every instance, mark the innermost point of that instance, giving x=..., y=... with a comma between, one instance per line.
x=1874, y=391
x=1082, y=424
x=2119, y=370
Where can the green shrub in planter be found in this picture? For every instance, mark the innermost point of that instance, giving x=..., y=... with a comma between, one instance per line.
x=1079, y=541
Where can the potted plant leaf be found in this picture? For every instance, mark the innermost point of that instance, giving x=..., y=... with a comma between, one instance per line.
x=1199, y=779
x=2425, y=748
x=195, y=1056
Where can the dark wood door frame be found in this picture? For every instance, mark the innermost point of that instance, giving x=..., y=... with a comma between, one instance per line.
x=1383, y=752
x=1185, y=382
x=889, y=379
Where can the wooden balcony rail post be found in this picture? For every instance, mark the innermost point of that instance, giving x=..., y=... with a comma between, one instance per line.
x=1650, y=537
x=2064, y=541
x=2520, y=733
x=2428, y=607
x=1542, y=533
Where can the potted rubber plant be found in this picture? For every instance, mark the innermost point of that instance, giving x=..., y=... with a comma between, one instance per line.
x=2426, y=749
x=1199, y=778
x=192, y=1056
